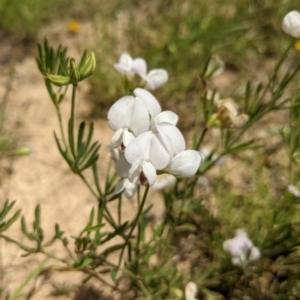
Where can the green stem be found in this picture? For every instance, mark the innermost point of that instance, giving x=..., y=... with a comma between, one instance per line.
x=133, y=224
x=49, y=255
x=26, y=248
x=71, y=131
x=204, y=131
x=61, y=126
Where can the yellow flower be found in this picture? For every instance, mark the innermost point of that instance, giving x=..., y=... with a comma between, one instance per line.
x=297, y=46
x=73, y=26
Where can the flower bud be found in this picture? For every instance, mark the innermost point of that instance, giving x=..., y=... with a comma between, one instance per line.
x=89, y=67
x=291, y=24
x=59, y=80
x=227, y=115
x=74, y=73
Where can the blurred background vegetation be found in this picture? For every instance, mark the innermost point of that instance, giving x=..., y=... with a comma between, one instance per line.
x=176, y=35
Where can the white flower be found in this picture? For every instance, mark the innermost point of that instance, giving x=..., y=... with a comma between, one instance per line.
x=191, y=291
x=124, y=65
x=129, y=117
x=292, y=189
x=291, y=24
x=146, y=154
x=185, y=163
x=241, y=249
x=164, y=181
x=128, y=66
x=127, y=187
x=114, y=153
x=155, y=78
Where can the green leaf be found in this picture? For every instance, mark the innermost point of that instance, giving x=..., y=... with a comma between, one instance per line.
x=11, y=220
x=113, y=275
x=37, y=214
x=71, y=137
x=186, y=227
x=6, y=208
x=85, y=263
x=117, y=231
x=96, y=227
x=80, y=135
x=88, y=154
x=25, y=230
x=90, y=135
x=96, y=178
x=211, y=294
x=112, y=249
x=91, y=161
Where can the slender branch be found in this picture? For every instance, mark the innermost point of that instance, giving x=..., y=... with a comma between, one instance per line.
x=133, y=225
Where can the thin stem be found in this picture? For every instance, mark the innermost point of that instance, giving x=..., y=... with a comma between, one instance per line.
x=119, y=209
x=133, y=224
x=69, y=252
x=71, y=129
x=54, y=257
x=22, y=246
x=108, y=215
x=94, y=274
x=204, y=131
x=88, y=185
x=61, y=126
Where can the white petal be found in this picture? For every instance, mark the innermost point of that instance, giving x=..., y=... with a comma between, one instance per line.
x=149, y=100
x=127, y=137
x=190, y=291
x=126, y=59
x=185, y=164
x=129, y=112
x=135, y=171
x=120, y=186
x=147, y=147
x=166, y=116
x=124, y=64
x=149, y=172
x=164, y=181
x=122, y=166
x=171, y=138
x=127, y=187
x=139, y=66
x=130, y=189
x=291, y=24
x=114, y=153
x=156, y=78
x=116, y=139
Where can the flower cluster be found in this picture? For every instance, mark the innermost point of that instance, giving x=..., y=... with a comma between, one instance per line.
x=129, y=67
x=148, y=141
x=241, y=249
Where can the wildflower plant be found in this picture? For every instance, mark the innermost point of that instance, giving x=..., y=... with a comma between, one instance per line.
x=147, y=143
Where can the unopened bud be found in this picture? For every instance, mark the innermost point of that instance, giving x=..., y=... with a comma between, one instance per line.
x=89, y=67
x=59, y=80
x=74, y=73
